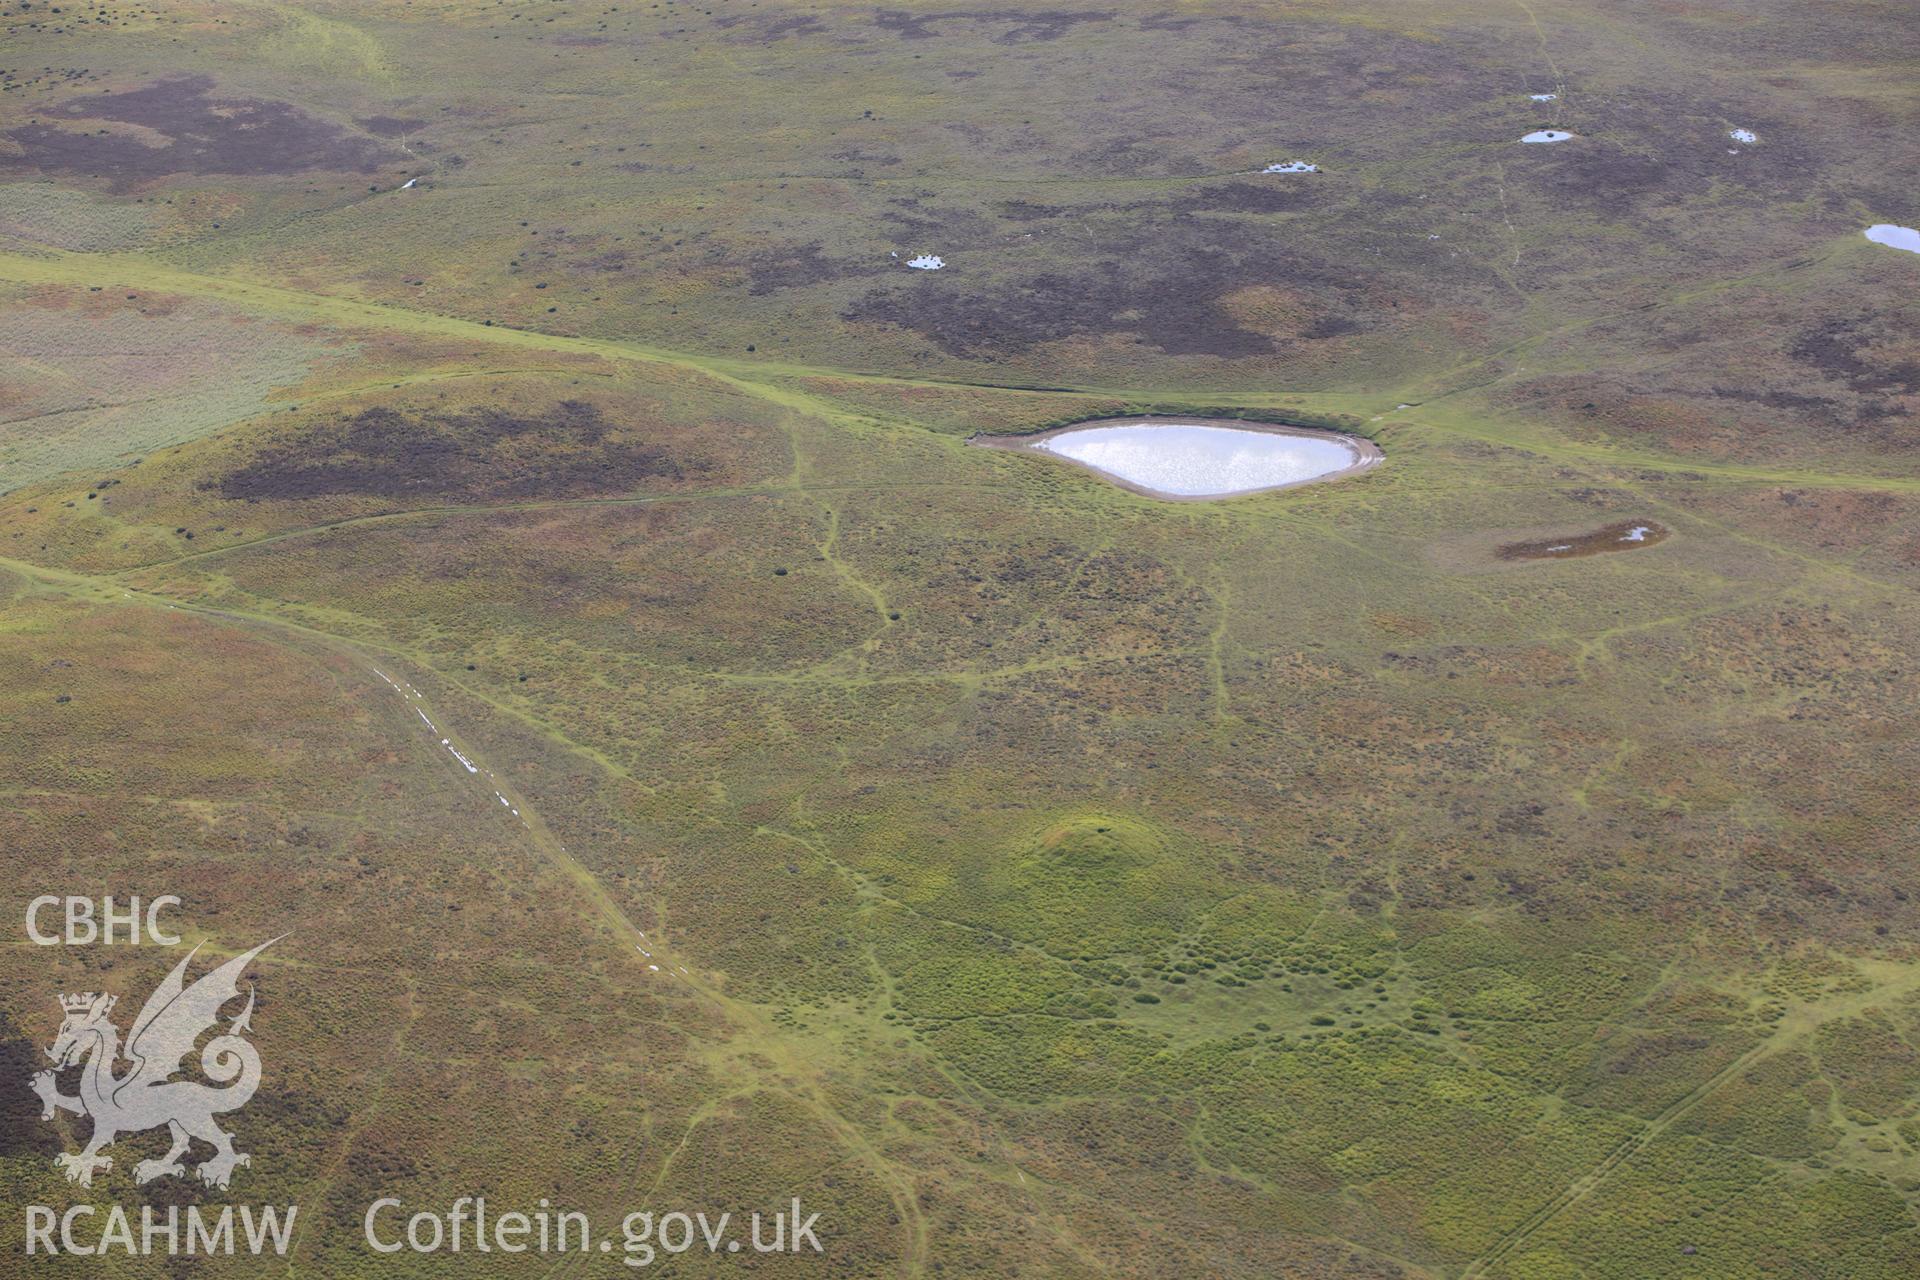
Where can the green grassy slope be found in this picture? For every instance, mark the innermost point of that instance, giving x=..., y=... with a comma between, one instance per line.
x=1034, y=877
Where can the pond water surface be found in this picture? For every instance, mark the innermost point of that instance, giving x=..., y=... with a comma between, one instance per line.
x=1204, y=458
x=1894, y=237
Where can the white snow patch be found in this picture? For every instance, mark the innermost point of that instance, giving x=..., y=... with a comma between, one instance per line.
x=1638, y=533
x=1543, y=97
x=1743, y=135
x=1894, y=237
x=1565, y=546
x=1292, y=166
x=409, y=184
x=927, y=262
x=1547, y=135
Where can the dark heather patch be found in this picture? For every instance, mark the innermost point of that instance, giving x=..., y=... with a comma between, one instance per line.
x=909, y=26
x=1645, y=147
x=942, y=228
x=1332, y=326
x=1163, y=275
x=1244, y=197
x=205, y=135
x=1167, y=22
x=22, y=1132
x=1050, y=25
x=389, y=126
x=1654, y=1054
x=1174, y=306
x=792, y=268
x=1605, y=178
x=491, y=453
x=1835, y=349
x=919, y=227
x=1824, y=405
x=1027, y=211
x=768, y=29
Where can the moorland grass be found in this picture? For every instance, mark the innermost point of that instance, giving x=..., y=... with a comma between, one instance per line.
x=1035, y=878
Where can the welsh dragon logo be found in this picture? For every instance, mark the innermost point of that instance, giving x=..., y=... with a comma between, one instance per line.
x=147, y=1096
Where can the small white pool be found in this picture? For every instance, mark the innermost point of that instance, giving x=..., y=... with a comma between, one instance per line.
x=927, y=262
x=1191, y=460
x=1547, y=135
x=1543, y=97
x=1894, y=237
x=1292, y=166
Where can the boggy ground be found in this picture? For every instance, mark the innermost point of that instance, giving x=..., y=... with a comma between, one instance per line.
x=1040, y=880
x=1622, y=535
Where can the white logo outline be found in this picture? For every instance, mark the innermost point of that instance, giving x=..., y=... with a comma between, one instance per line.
x=146, y=1096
